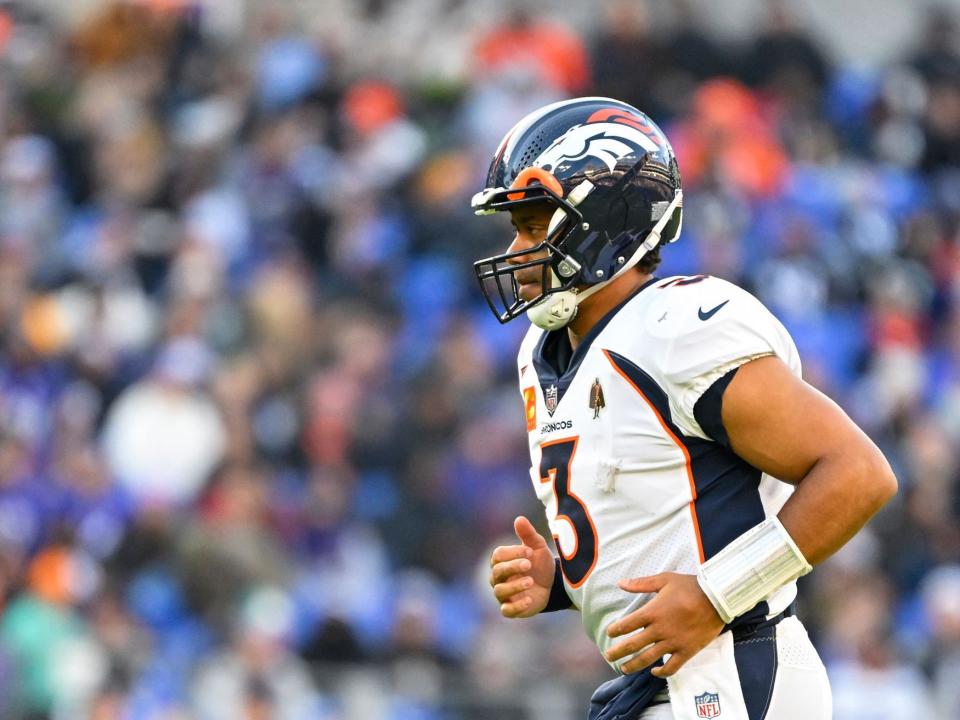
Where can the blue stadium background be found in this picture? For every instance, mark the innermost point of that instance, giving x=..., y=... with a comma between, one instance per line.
x=257, y=429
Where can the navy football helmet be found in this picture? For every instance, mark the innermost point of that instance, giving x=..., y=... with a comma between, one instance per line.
x=613, y=178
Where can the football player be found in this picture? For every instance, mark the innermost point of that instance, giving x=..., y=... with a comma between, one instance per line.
x=689, y=474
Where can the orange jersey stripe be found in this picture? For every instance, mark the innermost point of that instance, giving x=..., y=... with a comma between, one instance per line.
x=683, y=449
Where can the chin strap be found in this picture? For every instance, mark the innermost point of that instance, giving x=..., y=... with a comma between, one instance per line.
x=558, y=309
x=555, y=310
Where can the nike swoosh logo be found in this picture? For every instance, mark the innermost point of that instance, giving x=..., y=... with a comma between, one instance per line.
x=710, y=313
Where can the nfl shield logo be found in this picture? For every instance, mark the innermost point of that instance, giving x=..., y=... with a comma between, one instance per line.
x=550, y=398
x=708, y=705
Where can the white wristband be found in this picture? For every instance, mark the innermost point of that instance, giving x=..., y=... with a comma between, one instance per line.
x=751, y=567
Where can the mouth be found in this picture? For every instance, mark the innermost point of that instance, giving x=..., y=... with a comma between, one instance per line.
x=528, y=290
x=529, y=284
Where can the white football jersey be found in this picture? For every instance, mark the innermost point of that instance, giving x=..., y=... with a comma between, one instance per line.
x=631, y=483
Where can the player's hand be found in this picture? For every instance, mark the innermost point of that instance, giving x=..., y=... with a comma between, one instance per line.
x=521, y=575
x=679, y=620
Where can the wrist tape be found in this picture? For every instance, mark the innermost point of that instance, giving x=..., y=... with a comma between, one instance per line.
x=751, y=567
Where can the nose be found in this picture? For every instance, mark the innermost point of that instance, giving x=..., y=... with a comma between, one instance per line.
x=521, y=242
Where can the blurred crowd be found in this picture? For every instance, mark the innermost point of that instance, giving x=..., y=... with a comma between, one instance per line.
x=258, y=430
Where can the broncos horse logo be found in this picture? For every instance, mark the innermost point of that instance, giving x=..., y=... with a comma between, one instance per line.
x=607, y=136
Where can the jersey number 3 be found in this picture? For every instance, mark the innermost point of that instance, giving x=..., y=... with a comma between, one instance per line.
x=555, y=465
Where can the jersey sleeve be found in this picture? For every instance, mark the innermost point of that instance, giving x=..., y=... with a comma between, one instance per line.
x=717, y=328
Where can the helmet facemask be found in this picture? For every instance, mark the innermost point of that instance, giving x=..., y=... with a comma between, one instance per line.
x=559, y=271
x=561, y=293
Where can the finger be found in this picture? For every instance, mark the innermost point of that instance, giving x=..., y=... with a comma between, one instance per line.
x=504, y=570
x=506, y=590
x=633, y=644
x=516, y=608
x=646, y=658
x=528, y=534
x=634, y=621
x=649, y=584
x=675, y=662
x=505, y=553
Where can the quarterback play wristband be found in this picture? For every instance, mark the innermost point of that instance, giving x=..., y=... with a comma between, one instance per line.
x=751, y=567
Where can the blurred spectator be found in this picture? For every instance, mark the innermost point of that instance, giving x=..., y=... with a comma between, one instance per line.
x=629, y=60
x=257, y=677
x=785, y=60
x=232, y=534
x=728, y=135
x=939, y=593
x=877, y=685
x=32, y=204
x=163, y=437
x=692, y=50
x=937, y=57
x=58, y=665
x=524, y=43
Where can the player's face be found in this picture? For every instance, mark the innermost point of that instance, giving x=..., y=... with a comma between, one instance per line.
x=530, y=222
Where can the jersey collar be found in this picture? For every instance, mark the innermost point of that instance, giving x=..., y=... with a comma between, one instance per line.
x=553, y=360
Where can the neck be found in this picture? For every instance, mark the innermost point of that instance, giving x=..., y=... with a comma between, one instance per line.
x=595, y=307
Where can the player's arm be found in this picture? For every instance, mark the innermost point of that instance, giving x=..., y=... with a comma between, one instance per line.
x=786, y=428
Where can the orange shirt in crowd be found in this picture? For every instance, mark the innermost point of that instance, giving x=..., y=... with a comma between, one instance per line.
x=554, y=51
